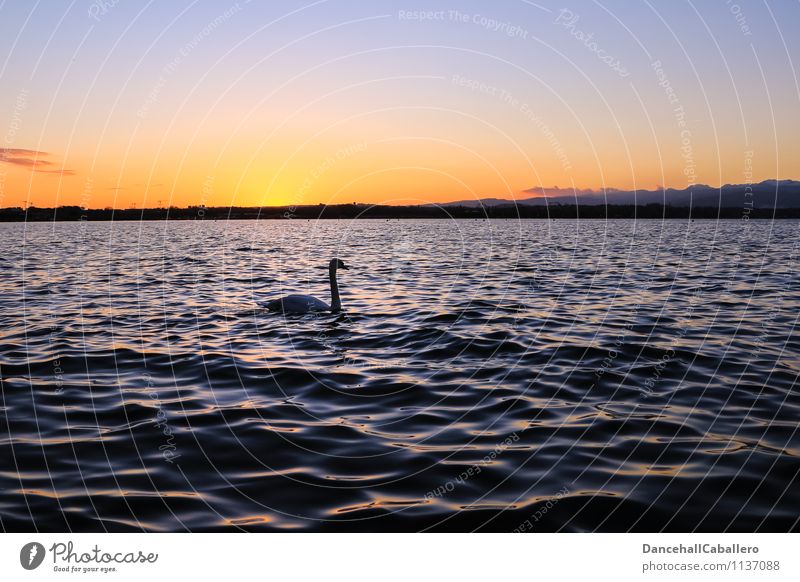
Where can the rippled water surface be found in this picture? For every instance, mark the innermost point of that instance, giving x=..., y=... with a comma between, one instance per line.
x=484, y=375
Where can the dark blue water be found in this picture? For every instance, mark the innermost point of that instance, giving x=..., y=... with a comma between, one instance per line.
x=484, y=375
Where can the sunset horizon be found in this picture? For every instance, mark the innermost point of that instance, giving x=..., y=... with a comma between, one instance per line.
x=245, y=105
x=579, y=195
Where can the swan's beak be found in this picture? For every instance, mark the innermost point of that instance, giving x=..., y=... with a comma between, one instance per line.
x=345, y=267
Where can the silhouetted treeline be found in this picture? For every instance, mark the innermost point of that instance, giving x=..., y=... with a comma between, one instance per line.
x=351, y=211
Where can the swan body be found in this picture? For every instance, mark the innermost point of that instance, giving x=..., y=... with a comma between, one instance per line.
x=297, y=304
x=309, y=303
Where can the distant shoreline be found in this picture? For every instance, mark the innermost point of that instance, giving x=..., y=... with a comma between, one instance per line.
x=366, y=211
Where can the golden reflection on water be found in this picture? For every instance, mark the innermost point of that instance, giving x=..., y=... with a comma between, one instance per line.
x=383, y=503
x=250, y=520
x=67, y=494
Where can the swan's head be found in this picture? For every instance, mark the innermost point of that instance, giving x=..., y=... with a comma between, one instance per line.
x=338, y=264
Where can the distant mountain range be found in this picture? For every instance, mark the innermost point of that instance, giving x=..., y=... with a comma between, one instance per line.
x=766, y=194
x=766, y=200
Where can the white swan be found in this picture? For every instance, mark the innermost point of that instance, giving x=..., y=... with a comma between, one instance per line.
x=308, y=303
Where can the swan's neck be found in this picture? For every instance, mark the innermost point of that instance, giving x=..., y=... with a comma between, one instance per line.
x=336, y=303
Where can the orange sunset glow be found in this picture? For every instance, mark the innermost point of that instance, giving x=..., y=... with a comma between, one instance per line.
x=228, y=109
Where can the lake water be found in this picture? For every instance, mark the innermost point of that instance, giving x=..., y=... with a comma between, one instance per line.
x=484, y=375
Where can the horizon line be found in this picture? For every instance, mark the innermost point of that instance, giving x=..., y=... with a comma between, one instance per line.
x=577, y=192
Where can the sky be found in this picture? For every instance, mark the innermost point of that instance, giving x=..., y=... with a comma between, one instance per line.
x=121, y=103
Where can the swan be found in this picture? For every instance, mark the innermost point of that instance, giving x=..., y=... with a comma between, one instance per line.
x=309, y=303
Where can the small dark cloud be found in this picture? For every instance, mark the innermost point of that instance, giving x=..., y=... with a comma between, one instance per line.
x=20, y=152
x=62, y=172
x=32, y=159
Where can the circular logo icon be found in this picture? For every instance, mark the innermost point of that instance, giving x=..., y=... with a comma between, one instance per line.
x=31, y=555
